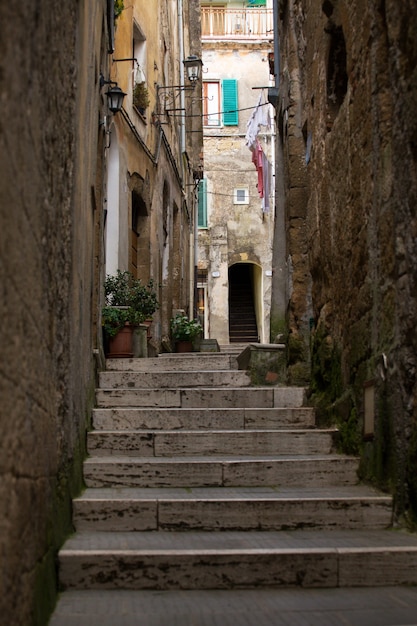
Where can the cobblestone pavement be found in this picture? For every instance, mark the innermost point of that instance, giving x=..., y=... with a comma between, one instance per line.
x=383, y=606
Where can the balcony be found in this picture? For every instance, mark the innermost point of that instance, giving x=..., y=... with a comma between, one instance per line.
x=247, y=23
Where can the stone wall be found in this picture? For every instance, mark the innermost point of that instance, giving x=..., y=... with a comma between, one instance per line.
x=347, y=111
x=48, y=198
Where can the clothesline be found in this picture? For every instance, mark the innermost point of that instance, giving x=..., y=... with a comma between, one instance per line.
x=219, y=112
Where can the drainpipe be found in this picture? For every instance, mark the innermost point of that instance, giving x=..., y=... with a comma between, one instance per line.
x=279, y=253
x=182, y=92
x=276, y=44
x=273, y=91
x=183, y=148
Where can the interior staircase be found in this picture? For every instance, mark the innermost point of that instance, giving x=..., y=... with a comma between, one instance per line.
x=196, y=480
x=242, y=318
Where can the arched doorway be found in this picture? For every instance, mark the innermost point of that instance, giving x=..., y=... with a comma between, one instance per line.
x=243, y=327
x=139, y=239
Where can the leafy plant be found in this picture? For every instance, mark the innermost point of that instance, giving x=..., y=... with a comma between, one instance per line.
x=118, y=8
x=128, y=300
x=140, y=96
x=184, y=329
x=113, y=319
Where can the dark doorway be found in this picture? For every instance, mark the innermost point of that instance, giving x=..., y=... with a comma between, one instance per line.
x=139, y=239
x=242, y=317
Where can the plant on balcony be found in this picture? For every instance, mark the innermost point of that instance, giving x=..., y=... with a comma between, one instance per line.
x=118, y=8
x=141, y=97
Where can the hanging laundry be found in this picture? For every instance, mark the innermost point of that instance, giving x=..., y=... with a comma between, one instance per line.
x=266, y=166
x=260, y=117
x=259, y=159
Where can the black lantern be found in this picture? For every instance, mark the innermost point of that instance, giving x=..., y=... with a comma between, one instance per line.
x=193, y=66
x=115, y=99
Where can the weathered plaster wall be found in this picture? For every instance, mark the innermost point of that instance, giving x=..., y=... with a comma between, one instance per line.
x=236, y=233
x=356, y=116
x=47, y=190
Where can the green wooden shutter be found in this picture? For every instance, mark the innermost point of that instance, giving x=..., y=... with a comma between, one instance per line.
x=202, y=204
x=230, y=114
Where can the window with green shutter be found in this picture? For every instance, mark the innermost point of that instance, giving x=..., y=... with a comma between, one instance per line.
x=202, y=204
x=230, y=113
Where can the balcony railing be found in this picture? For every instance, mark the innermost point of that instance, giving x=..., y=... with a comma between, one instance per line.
x=219, y=23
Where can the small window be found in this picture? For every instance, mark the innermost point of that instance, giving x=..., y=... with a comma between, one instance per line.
x=140, y=92
x=241, y=196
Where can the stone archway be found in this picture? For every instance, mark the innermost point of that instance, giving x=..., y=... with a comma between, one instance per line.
x=243, y=300
x=139, y=254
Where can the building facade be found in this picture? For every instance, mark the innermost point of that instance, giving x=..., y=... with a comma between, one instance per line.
x=236, y=219
x=81, y=189
x=154, y=156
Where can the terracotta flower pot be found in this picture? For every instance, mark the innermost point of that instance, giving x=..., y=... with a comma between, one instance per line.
x=184, y=346
x=121, y=345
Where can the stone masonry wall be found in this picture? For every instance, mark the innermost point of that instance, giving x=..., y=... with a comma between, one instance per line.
x=349, y=93
x=46, y=265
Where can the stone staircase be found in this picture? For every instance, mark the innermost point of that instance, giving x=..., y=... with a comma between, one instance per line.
x=195, y=480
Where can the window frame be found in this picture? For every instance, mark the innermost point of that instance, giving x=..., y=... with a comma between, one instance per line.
x=235, y=195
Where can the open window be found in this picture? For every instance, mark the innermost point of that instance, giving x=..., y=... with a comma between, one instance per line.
x=337, y=78
x=220, y=103
x=139, y=83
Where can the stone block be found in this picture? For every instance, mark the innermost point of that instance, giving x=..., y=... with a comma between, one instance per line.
x=209, y=345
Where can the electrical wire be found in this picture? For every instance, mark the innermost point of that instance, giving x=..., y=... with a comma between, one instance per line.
x=224, y=112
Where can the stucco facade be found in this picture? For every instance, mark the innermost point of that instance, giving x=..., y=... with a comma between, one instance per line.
x=239, y=228
x=154, y=158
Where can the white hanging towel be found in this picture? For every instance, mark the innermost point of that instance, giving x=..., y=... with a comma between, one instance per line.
x=260, y=117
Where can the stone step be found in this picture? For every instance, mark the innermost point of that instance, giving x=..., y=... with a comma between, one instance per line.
x=201, y=418
x=174, y=362
x=220, y=471
x=234, y=349
x=361, y=606
x=251, y=397
x=163, y=380
x=213, y=442
x=226, y=508
x=227, y=560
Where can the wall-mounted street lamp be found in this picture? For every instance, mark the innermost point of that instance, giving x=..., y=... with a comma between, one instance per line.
x=193, y=66
x=114, y=95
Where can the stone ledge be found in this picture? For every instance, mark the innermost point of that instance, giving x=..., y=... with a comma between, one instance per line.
x=265, y=362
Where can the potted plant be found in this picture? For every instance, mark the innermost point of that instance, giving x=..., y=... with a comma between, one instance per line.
x=141, y=97
x=184, y=332
x=128, y=303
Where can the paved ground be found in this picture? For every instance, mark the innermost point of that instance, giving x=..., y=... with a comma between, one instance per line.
x=383, y=606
